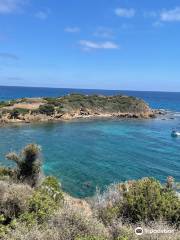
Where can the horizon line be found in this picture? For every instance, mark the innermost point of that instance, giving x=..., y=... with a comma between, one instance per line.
x=101, y=89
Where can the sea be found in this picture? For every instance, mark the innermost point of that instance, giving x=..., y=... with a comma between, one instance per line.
x=87, y=155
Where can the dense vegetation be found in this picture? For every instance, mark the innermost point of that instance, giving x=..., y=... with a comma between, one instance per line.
x=98, y=103
x=34, y=207
x=74, y=105
x=47, y=109
x=6, y=103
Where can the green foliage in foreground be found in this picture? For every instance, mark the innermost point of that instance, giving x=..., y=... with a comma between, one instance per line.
x=43, y=212
x=5, y=173
x=28, y=164
x=144, y=200
x=148, y=200
x=30, y=210
x=44, y=202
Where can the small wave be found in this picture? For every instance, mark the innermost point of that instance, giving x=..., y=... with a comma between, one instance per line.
x=177, y=114
x=170, y=112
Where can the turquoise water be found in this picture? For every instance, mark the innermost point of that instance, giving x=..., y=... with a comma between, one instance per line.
x=87, y=154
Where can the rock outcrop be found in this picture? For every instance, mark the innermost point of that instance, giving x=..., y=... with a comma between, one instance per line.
x=73, y=106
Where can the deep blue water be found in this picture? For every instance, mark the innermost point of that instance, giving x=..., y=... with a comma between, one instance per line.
x=155, y=99
x=86, y=154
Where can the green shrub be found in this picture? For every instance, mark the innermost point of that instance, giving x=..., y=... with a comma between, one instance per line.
x=51, y=182
x=106, y=205
x=53, y=101
x=105, y=104
x=140, y=201
x=74, y=102
x=121, y=231
x=28, y=164
x=13, y=200
x=5, y=104
x=5, y=171
x=60, y=109
x=47, y=109
x=52, y=186
x=45, y=200
x=41, y=206
x=147, y=200
x=3, y=231
x=73, y=223
x=16, y=112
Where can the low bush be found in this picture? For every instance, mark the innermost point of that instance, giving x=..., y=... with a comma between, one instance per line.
x=16, y=112
x=6, y=173
x=53, y=101
x=47, y=109
x=52, y=186
x=47, y=198
x=105, y=205
x=5, y=104
x=147, y=200
x=22, y=232
x=124, y=232
x=139, y=201
x=121, y=231
x=41, y=206
x=13, y=200
x=72, y=223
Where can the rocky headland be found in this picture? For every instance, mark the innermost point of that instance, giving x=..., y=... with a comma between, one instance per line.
x=73, y=106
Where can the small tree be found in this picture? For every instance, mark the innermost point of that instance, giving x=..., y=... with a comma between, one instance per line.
x=28, y=164
x=14, y=114
x=47, y=109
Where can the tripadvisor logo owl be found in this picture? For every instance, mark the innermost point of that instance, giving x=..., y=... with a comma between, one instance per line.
x=139, y=231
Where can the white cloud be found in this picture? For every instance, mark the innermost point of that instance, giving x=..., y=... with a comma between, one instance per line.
x=72, y=29
x=10, y=6
x=88, y=45
x=125, y=12
x=170, y=15
x=43, y=15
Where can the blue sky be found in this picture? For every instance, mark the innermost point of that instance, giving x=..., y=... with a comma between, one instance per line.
x=106, y=44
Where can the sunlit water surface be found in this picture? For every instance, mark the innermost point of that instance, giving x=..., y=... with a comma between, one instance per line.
x=89, y=154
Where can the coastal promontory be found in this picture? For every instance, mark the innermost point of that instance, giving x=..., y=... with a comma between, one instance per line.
x=73, y=106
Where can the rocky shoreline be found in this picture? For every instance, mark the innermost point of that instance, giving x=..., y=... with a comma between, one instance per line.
x=75, y=106
x=29, y=118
